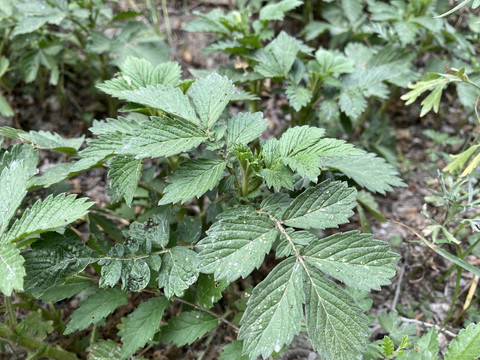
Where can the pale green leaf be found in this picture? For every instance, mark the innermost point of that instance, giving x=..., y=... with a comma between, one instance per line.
x=209, y=291
x=179, y=270
x=210, y=96
x=187, y=327
x=29, y=65
x=13, y=185
x=278, y=177
x=336, y=325
x=121, y=125
x=277, y=58
x=12, y=156
x=331, y=61
x=4, y=64
x=233, y=351
x=192, y=179
x=142, y=324
x=11, y=268
x=366, y=170
x=5, y=108
x=104, y=350
x=94, y=308
x=298, y=96
x=161, y=137
x=276, y=11
x=50, y=214
x=44, y=140
x=99, y=149
x=125, y=171
x=53, y=260
x=352, y=103
x=274, y=311
x=466, y=346
x=166, y=98
x=210, y=22
x=234, y=238
x=429, y=342
x=326, y=205
x=356, y=259
x=242, y=128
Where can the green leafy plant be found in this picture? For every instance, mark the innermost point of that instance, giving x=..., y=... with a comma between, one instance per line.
x=253, y=197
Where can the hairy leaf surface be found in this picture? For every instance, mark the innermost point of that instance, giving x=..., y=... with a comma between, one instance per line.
x=274, y=311
x=367, y=170
x=336, y=325
x=95, y=308
x=49, y=214
x=276, y=11
x=356, y=259
x=179, y=271
x=125, y=171
x=11, y=268
x=142, y=324
x=54, y=259
x=245, y=127
x=233, y=239
x=277, y=58
x=466, y=346
x=192, y=179
x=187, y=327
x=326, y=205
x=162, y=137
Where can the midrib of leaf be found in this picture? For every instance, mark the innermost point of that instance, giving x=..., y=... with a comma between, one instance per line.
x=299, y=258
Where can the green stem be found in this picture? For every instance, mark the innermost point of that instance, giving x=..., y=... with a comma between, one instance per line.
x=455, y=295
x=12, y=320
x=32, y=344
x=167, y=23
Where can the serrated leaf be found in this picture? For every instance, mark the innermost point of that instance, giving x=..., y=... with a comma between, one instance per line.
x=120, y=125
x=366, y=170
x=278, y=177
x=277, y=58
x=276, y=11
x=50, y=214
x=5, y=108
x=356, y=259
x=13, y=182
x=142, y=324
x=192, y=179
x=429, y=342
x=466, y=346
x=11, y=268
x=12, y=156
x=137, y=73
x=210, y=22
x=231, y=240
x=210, y=96
x=274, y=311
x=331, y=314
x=44, y=140
x=104, y=350
x=99, y=149
x=352, y=103
x=209, y=291
x=125, y=171
x=155, y=231
x=66, y=290
x=242, y=128
x=187, y=327
x=298, y=96
x=233, y=351
x=54, y=259
x=94, y=308
x=169, y=99
x=331, y=62
x=326, y=205
x=179, y=271
x=387, y=346
x=161, y=137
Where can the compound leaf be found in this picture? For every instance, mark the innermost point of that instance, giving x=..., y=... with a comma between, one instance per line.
x=466, y=346
x=142, y=324
x=276, y=11
x=54, y=259
x=187, y=327
x=333, y=62
x=274, y=311
x=121, y=125
x=11, y=268
x=366, y=170
x=277, y=58
x=326, y=205
x=210, y=95
x=166, y=98
x=233, y=239
x=49, y=214
x=298, y=96
x=336, y=325
x=179, y=271
x=192, y=179
x=356, y=259
x=95, y=307
x=243, y=128
x=278, y=177
x=125, y=171
x=161, y=137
